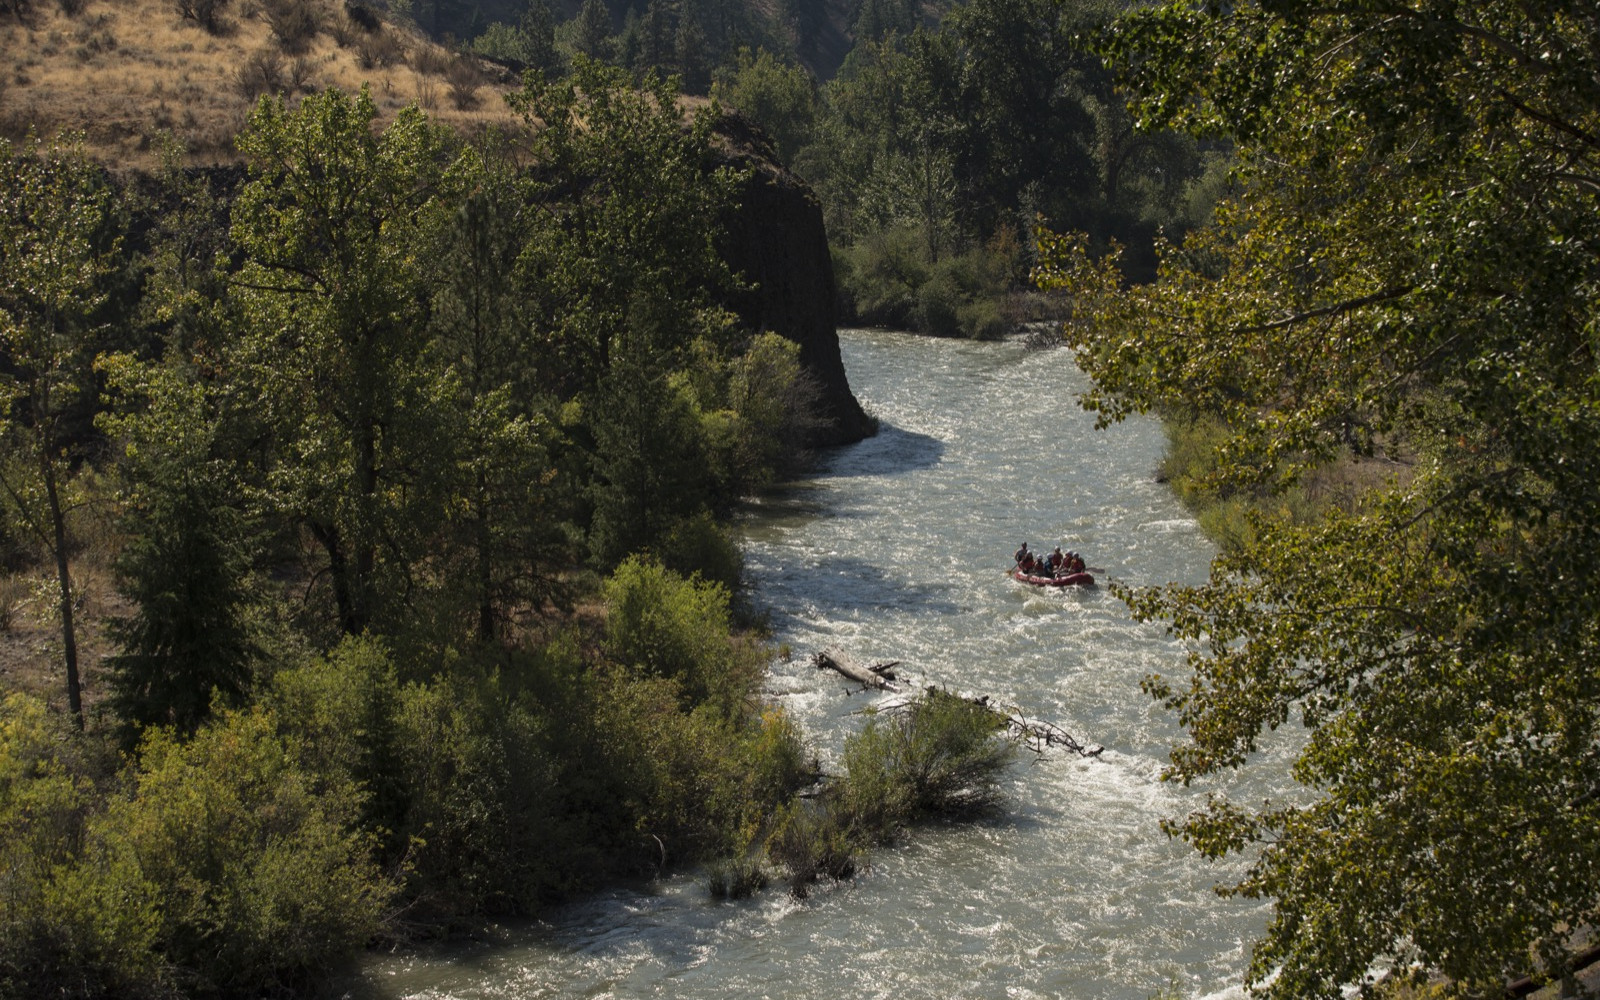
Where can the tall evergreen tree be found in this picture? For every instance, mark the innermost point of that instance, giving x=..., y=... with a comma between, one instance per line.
x=594, y=30
x=186, y=562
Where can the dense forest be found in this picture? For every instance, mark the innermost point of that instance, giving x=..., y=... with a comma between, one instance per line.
x=937, y=139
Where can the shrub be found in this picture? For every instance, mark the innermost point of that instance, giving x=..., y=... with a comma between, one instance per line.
x=342, y=713
x=881, y=275
x=811, y=842
x=464, y=79
x=293, y=22
x=940, y=755
x=987, y=318
x=261, y=73
x=935, y=305
x=67, y=926
x=206, y=13
x=379, y=50
x=737, y=878
x=662, y=625
x=300, y=70
x=263, y=884
x=699, y=546
x=431, y=60
x=362, y=16
x=667, y=765
x=482, y=798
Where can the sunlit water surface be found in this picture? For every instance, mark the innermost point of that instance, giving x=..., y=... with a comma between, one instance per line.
x=895, y=550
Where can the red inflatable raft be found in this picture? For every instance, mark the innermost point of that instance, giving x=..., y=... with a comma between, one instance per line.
x=1070, y=580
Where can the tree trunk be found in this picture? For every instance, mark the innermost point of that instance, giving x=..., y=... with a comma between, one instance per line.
x=58, y=528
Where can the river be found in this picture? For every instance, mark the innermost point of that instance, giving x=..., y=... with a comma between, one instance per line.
x=895, y=549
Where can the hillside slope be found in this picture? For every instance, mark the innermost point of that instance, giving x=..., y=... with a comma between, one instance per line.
x=124, y=72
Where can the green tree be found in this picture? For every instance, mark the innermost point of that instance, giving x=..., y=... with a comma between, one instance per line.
x=630, y=207
x=186, y=562
x=1408, y=275
x=649, y=466
x=593, y=30
x=656, y=37
x=624, y=269
x=531, y=42
x=332, y=308
x=693, y=54
x=506, y=514
x=57, y=245
x=778, y=96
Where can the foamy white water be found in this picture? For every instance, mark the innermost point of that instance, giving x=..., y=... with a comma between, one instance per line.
x=896, y=550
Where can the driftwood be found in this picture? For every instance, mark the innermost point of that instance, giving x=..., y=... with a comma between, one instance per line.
x=1035, y=735
x=879, y=676
x=1039, y=736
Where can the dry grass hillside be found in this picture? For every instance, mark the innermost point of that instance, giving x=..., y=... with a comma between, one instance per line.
x=125, y=71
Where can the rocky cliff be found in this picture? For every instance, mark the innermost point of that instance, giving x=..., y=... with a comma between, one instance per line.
x=777, y=242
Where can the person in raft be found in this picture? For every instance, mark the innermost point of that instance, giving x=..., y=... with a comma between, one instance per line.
x=1024, y=558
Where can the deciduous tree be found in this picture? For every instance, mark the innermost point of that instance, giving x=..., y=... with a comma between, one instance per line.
x=1410, y=274
x=56, y=248
x=331, y=303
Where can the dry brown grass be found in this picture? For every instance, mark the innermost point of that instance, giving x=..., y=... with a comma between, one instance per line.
x=124, y=71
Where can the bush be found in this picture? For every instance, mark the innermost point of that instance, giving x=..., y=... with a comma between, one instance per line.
x=431, y=61
x=343, y=715
x=483, y=799
x=881, y=275
x=293, y=22
x=68, y=927
x=935, y=305
x=262, y=883
x=464, y=79
x=261, y=73
x=699, y=546
x=940, y=755
x=811, y=842
x=662, y=625
x=667, y=765
x=888, y=279
x=379, y=50
x=737, y=878
x=206, y=13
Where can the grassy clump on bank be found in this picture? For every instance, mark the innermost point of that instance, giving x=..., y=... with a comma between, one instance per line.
x=1228, y=514
x=936, y=756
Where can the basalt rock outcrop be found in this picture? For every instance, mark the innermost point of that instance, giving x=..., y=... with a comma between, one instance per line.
x=777, y=242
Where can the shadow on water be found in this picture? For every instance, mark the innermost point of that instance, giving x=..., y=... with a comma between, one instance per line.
x=852, y=585
x=890, y=452
x=630, y=936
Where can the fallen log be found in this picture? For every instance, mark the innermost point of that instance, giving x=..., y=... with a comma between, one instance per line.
x=1039, y=736
x=1034, y=735
x=878, y=676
